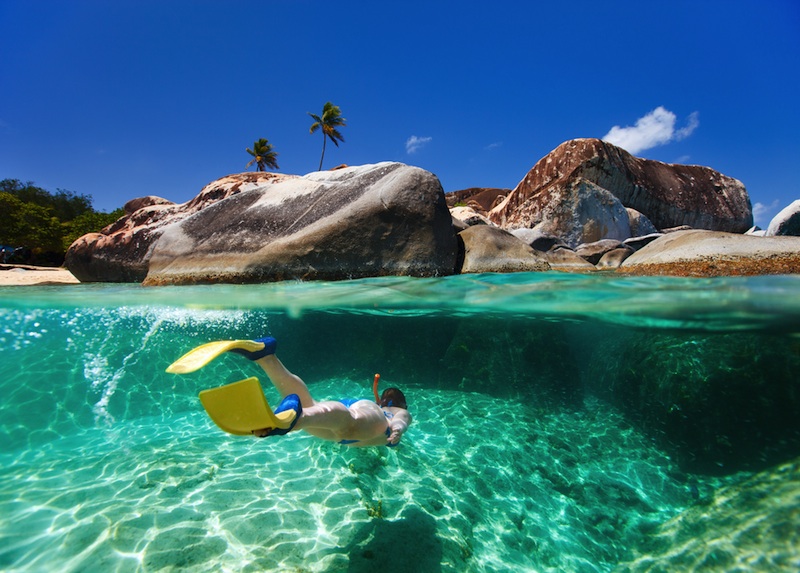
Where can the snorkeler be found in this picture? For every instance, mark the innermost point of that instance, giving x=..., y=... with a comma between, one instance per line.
x=351, y=422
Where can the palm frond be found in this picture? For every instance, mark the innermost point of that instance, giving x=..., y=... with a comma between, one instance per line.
x=263, y=154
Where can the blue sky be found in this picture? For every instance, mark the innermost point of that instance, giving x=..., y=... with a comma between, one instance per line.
x=124, y=98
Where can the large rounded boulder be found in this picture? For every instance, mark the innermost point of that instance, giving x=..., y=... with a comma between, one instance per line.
x=121, y=251
x=370, y=220
x=669, y=195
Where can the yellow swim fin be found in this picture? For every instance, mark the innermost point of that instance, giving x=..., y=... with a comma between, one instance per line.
x=241, y=407
x=205, y=353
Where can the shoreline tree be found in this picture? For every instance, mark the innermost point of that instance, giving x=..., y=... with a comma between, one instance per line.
x=331, y=119
x=37, y=226
x=263, y=155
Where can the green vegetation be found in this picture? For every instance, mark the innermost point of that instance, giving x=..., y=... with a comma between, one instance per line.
x=38, y=226
x=330, y=120
x=263, y=155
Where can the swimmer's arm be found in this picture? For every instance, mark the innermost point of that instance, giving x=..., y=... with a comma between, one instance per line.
x=400, y=422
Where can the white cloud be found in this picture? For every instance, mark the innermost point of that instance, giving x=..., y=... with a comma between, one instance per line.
x=414, y=143
x=762, y=214
x=654, y=129
x=494, y=145
x=692, y=124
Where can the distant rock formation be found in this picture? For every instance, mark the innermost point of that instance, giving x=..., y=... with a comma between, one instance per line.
x=371, y=220
x=586, y=206
x=787, y=222
x=482, y=199
x=121, y=252
x=668, y=195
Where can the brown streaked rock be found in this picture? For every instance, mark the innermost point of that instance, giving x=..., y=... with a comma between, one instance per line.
x=668, y=195
x=482, y=199
x=121, y=251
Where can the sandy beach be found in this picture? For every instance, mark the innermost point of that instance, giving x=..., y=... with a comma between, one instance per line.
x=26, y=275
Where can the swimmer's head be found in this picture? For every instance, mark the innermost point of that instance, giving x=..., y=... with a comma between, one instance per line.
x=392, y=397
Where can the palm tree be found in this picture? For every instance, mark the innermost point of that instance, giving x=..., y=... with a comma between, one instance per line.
x=263, y=155
x=330, y=120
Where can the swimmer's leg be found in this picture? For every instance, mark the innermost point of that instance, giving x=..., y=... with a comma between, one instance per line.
x=284, y=381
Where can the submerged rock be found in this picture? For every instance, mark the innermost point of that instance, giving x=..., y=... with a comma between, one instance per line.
x=718, y=403
x=371, y=220
x=750, y=526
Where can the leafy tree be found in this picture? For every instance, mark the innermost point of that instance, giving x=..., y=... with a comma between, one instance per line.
x=87, y=223
x=46, y=223
x=28, y=224
x=263, y=155
x=10, y=207
x=66, y=205
x=330, y=120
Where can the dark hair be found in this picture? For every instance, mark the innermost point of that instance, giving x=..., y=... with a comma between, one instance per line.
x=393, y=397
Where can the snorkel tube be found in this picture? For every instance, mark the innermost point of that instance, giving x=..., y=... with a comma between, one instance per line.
x=375, y=388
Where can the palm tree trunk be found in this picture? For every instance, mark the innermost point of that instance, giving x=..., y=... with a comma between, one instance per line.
x=324, y=141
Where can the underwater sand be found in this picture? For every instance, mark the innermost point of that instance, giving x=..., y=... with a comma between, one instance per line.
x=110, y=464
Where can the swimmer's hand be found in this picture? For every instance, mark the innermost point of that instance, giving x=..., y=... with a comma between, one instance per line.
x=399, y=425
x=262, y=433
x=394, y=437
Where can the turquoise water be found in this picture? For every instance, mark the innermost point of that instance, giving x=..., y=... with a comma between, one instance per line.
x=561, y=423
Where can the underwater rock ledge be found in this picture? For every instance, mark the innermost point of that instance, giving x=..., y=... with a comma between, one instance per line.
x=749, y=526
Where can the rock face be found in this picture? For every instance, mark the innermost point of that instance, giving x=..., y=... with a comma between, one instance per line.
x=640, y=225
x=708, y=253
x=579, y=212
x=468, y=216
x=372, y=220
x=482, y=199
x=787, y=222
x=121, y=252
x=668, y=195
x=487, y=249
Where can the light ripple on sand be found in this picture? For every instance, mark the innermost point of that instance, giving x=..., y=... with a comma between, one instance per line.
x=479, y=483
